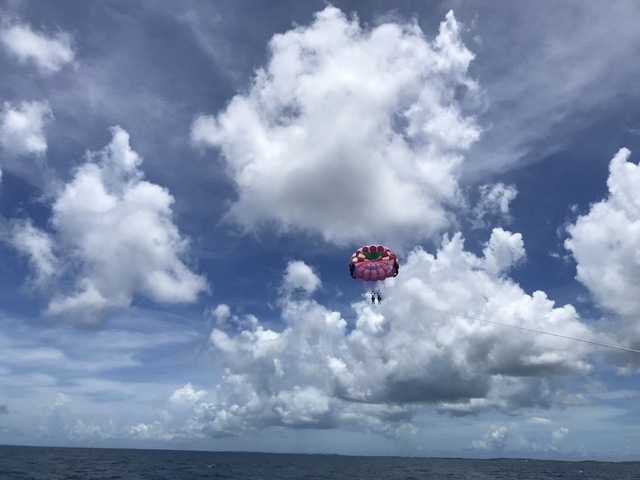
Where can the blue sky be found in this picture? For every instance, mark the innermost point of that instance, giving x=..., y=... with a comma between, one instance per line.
x=183, y=185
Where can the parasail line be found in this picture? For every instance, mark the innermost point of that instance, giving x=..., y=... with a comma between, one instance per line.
x=592, y=342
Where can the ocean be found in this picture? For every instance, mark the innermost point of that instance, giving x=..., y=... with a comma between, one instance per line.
x=35, y=463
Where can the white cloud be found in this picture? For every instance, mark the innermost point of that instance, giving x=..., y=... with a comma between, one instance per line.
x=49, y=53
x=79, y=430
x=86, y=306
x=299, y=275
x=378, y=370
x=150, y=431
x=348, y=126
x=504, y=250
x=221, y=313
x=186, y=395
x=540, y=421
x=38, y=246
x=604, y=243
x=34, y=356
x=494, y=439
x=494, y=201
x=223, y=317
x=516, y=439
x=22, y=128
x=113, y=237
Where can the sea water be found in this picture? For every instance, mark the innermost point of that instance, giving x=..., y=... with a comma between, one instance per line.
x=35, y=463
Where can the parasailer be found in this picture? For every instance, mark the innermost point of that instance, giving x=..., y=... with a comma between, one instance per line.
x=374, y=263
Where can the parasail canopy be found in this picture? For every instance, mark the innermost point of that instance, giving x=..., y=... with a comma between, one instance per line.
x=373, y=263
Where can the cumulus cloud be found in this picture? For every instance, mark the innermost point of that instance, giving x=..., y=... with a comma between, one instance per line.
x=22, y=128
x=604, y=243
x=495, y=439
x=49, y=53
x=347, y=126
x=513, y=438
x=186, y=395
x=300, y=276
x=150, y=431
x=494, y=202
x=503, y=251
x=221, y=313
x=113, y=237
x=376, y=371
x=79, y=430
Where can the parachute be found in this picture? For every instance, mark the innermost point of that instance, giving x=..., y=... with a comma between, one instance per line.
x=373, y=263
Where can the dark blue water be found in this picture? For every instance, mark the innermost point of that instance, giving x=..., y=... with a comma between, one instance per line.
x=35, y=463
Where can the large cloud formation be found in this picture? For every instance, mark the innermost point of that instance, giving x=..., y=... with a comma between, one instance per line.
x=346, y=123
x=604, y=243
x=113, y=237
x=377, y=370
